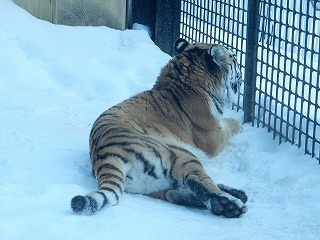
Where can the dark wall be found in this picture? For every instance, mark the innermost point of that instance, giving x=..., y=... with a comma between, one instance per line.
x=163, y=17
x=144, y=12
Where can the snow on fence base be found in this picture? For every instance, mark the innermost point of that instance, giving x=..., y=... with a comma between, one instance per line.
x=278, y=46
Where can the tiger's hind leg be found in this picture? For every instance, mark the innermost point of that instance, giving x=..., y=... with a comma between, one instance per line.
x=186, y=198
x=191, y=175
x=182, y=197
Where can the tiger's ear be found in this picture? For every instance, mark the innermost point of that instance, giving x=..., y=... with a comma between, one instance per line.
x=180, y=45
x=219, y=55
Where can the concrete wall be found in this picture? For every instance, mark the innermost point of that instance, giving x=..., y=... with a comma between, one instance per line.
x=112, y=13
x=41, y=9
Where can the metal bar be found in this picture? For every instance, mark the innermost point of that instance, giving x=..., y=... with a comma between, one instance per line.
x=251, y=60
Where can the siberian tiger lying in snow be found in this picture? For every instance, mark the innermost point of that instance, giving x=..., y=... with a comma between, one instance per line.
x=137, y=146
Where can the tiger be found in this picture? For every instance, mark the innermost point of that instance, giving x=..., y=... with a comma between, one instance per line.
x=144, y=145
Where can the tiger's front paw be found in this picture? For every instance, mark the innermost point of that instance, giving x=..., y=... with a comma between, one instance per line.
x=226, y=205
x=233, y=125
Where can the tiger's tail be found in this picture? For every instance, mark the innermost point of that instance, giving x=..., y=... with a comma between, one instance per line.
x=109, y=173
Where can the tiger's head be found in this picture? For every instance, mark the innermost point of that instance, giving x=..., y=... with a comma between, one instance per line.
x=213, y=68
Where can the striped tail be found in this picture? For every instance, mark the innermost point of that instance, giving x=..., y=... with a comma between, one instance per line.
x=95, y=201
x=111, y=186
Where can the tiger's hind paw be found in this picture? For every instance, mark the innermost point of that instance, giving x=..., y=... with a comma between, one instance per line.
x=226, y=205
x=219, y=203
x=240, y=194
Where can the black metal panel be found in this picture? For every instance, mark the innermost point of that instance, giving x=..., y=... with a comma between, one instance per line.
x=144, y=12
x=167, y=24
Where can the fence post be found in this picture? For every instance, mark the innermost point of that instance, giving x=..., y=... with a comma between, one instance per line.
x=251, y=60
x=167, y=24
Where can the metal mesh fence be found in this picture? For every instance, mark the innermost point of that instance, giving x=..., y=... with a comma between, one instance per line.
x=280, y=56
x=287, y=89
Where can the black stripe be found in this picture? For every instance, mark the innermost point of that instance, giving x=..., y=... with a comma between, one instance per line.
x=149, y=140
x=115, y=129
x=218, y=108
x=110, y=190
x=218, y=102
x=165, y=172
x=109, y=166
x=192, y=161
x=121, y=145
x=105, y=200
x=181, y=149
x=110, y=127
x=93, y=173
x=108, y=113
x=158, y=106
x=186, y=88
x=148, y=168
x=148, y=102
x=201, y=180
x=112, y=144
x=96, y=128
x=139, y=139
x=176, y=99
x=158, y=155
x=173, y=158
x=93, y=206
x=110, y=175
x=111, y=155
x=118, y=107
x=129, y=177
x=176, y=67
x=113, y=183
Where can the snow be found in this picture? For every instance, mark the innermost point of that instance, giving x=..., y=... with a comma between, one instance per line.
x=56, y=80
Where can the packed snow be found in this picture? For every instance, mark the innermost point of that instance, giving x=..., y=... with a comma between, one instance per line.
x=56, y=80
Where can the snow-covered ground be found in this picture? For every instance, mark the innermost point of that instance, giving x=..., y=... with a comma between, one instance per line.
x=56, y=80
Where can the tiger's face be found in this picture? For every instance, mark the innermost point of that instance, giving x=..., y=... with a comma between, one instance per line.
x=219, y=61
x=233, y=80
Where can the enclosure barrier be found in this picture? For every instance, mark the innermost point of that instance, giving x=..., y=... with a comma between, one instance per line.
x=112, y=13
x=278, y=46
